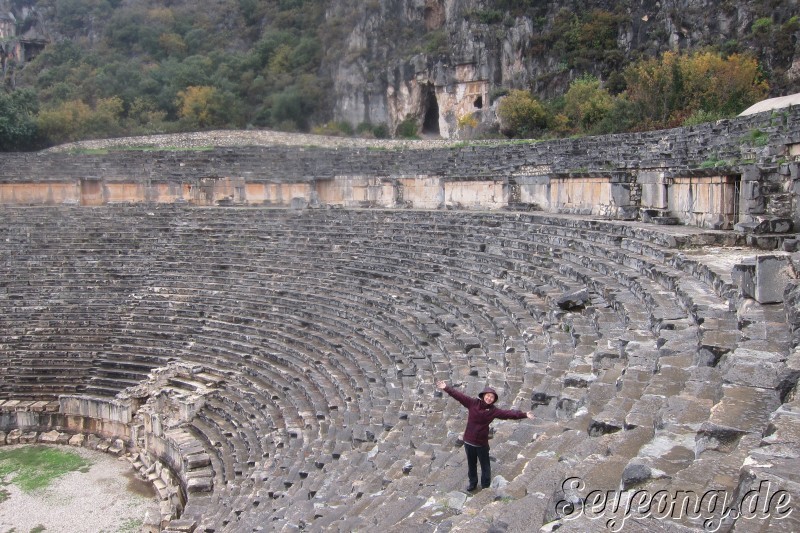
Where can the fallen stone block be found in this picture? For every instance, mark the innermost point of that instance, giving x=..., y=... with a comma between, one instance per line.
x=13, y=436
x=49, y=437
x=77, y=439
x=773, y=274
x=29, y=437
x=117, y=447
x=92, y=441
x=599, y=427
x=456, y=500
x=573, y=300
x=753, y=368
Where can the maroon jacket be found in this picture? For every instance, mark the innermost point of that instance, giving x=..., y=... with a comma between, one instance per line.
x=481, y=415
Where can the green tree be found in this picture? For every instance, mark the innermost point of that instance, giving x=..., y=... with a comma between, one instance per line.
x=18, y=129
x=521, y=115
x=76, y=120
x=587, y=103
x=200, y=106
x=669, y=89
x=64, y=122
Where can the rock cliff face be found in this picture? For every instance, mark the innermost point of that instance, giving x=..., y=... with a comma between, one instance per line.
x=440, y=63
x=22, y=36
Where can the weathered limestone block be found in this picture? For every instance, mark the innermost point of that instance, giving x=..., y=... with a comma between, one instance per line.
x=49, y=437
x=77, y=440
x=654, y=189
x=765, y=225
x=771, y=483
x=92, y=441
x=791, y=303
x=744, y=409
x=2, y=438
x=298, y=203
x=634, y=474
x=13, y=436
x=183, y=525
x=744, y=275
x=764, y=278
x=752, y=200
x=117, y=447
x=151, y=522
x=574, y=299
x=753, y=368
x=199, y=484
x=784, y=427
x=97, y=408
x=197, y=460
x=773, y=274
x=28, y=437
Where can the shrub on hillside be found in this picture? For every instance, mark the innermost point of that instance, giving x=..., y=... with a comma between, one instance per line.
x=521, y=115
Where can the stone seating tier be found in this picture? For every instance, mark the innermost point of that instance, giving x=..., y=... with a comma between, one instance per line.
x=330, y=328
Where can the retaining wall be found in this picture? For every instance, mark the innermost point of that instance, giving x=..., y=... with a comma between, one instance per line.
x=712, y=175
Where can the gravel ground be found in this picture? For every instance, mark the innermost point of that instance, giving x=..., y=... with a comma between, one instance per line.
x=105, y=499
x=234, y=138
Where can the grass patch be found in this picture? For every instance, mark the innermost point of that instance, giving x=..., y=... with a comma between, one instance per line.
x=715, y=163
x=35, y=467
x=3, y=495
x=758, y=138
x=38, y=529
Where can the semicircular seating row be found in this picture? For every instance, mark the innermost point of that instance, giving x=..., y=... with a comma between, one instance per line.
x=330, y=327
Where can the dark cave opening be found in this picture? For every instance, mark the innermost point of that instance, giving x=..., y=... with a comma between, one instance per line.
x=430, y=123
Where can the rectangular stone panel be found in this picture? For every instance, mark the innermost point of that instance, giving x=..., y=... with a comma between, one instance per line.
x=654, y=189
x=279, y=194
x=476, y=194
x=420, y=192
x=39, y=193
x=588, y=194
x=704, y=201
x=355, y=191
x=125, y=193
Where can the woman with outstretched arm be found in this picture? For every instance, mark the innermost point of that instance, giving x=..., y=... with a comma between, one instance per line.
x=481, y=412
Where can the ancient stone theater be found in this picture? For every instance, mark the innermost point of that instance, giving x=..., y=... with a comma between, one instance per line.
x=259, y=325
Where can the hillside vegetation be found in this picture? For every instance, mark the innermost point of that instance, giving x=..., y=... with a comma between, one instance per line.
x=125, y=67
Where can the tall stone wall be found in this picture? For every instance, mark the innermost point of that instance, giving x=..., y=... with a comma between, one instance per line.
x=717, y=175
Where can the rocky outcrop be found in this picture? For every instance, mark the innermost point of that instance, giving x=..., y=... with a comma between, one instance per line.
x=439, y=63
x=22, y=37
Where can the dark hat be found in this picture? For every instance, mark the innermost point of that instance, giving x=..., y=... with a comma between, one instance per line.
x=488, y=389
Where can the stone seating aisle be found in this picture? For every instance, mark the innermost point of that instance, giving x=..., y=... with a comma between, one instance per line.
x=331, y=327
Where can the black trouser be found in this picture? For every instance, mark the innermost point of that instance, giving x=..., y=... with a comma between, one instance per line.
x=475, y=453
